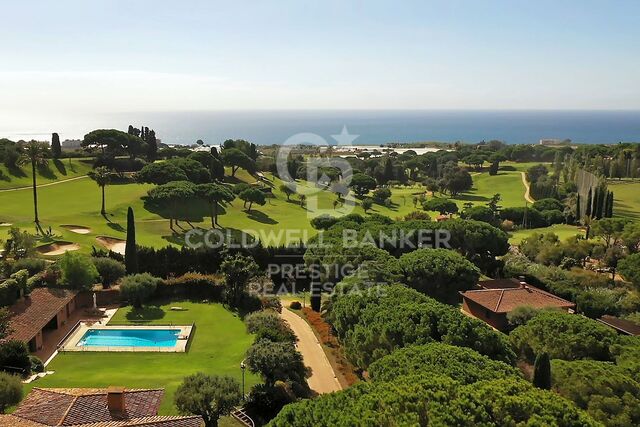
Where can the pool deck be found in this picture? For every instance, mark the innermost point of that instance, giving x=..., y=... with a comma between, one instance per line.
x=71, y=343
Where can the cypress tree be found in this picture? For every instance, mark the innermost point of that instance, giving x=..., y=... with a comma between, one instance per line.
x=56, y=148
x=131, y=251
x=589, y=203
x=316, y=297
x=578, y=215
x=596, y=200
x=542, y=372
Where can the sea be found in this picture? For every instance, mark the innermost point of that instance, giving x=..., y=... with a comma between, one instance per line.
x=366, y=127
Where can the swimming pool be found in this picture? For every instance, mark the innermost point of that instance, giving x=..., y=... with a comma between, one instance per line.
x=129, y=338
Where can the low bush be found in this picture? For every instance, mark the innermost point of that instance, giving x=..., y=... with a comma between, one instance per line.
x=110, y=270
x=192, y=286
x=14, y=357
x=36, y=364
x=295, y=305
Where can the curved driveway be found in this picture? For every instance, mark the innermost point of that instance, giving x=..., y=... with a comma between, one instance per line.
x=323, y=379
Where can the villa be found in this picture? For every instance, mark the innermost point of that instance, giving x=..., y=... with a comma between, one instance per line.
x=496, y=298
x=40, y=313
x=87, y=407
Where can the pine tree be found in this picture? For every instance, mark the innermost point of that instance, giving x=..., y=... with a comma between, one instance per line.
x=542, y=372
x=152, y=146
x=131, y=251
x=589, y=204
x=56, y=148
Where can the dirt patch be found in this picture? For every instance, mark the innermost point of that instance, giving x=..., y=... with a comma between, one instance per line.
x=78, y=229
x=113, y=244
x=58, y=248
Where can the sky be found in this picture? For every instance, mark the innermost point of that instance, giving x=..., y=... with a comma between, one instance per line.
x=78, y=58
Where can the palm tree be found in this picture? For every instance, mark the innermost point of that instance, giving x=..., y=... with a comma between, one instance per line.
x=36, y=153
x=102, y=176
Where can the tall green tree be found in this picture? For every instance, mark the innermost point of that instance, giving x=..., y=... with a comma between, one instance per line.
x=209, y=396
x=542, y=372
x=131, y=250
x=37, y=154
x=56, y=148
x=171, y=195
x=102, y=176
x=214, y=195
x=251, y=196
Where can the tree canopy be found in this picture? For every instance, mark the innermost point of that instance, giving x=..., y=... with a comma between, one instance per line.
x=563, y=336
x=439, y=273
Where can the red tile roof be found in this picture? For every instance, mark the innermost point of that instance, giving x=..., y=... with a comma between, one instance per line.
x=505, y=300
x=88, y=408
x=32, y=313
x=499, y=283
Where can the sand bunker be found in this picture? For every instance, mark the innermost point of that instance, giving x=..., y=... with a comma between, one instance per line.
x=58, y=248
x=5, y=224
x=78, y=229
x=113, y=244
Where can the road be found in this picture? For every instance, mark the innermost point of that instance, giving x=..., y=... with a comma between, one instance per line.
x=527, y=194
x=323, y=379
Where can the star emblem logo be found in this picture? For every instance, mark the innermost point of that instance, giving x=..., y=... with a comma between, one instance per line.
x=344, y=137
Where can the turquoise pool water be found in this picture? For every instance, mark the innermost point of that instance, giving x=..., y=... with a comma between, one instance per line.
x=130, y=338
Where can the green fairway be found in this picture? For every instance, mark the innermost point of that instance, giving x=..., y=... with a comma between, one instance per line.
x=218, y=346
x=562, y=230
x=626, y=198
x=507, y=183
x=56, y=170
x=77, y=202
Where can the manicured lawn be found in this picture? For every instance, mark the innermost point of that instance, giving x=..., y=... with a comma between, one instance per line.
x=562, y=230
x=78, y=203
x=56, y=170
x=218, y=346
x=626, y=198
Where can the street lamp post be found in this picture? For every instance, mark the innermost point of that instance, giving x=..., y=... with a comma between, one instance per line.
x=243, y=367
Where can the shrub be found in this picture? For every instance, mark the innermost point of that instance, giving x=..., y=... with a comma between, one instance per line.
x=267, y=324
x=15, y=285
x=78, y=272
x=36, y=364
x=32, y=265
x=138, y=288
x=110, y=270
x=14, y=357
x=192, y=286
x=271, y=302
x=10, y=391
x=295, y=305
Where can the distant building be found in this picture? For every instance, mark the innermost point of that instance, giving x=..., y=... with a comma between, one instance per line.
x=89, y=407
x=555, y=141
x=625, y=327
x=491, y=304
x=71, y=144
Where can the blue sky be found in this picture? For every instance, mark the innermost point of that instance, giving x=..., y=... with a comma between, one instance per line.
x=84, y=57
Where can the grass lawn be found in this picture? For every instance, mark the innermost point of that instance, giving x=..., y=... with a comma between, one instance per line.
x=78, y=203
x=626, y=198
x=562, y=230
x=218, y=346
x=56, y=170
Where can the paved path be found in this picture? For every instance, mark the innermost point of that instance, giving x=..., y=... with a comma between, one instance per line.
x=60, y=181
x=527, y=194
x=323, y=379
